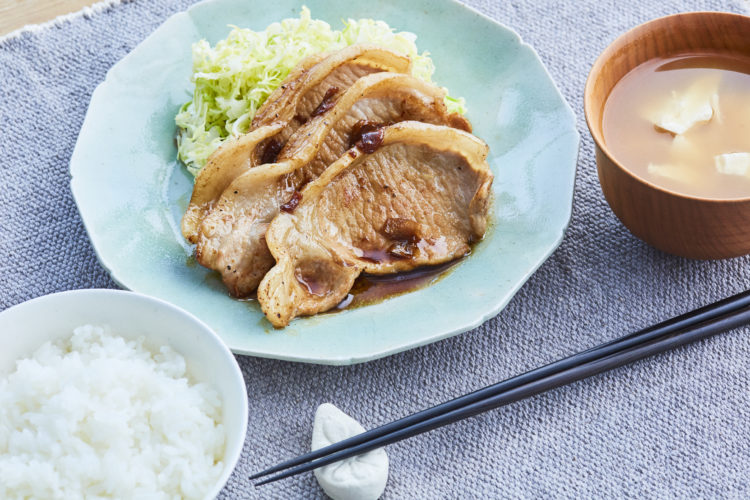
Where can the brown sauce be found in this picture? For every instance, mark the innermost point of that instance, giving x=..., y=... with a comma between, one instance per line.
x=327, y=102
x=363, y=127
x=313, y=286
x=271, y=151
x=404, y=241
x=371, y=141
x=397, y=250
x=291, y=205
x=370, y=288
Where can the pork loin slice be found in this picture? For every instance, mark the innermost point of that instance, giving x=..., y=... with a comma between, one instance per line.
x=420, y=198
x=316, y=82
x=225, y=164
x=313, y=91
x=231, y=237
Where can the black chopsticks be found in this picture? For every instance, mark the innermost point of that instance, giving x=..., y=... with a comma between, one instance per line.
x=695, y=325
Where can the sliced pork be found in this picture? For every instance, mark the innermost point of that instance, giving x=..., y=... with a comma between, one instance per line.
x=407, y=195
x=311, y=87
x=231, y=237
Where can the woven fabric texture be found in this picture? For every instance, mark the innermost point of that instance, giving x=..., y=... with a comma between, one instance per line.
x=673, y=426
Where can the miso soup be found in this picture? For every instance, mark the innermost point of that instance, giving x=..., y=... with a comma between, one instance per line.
x=683, y=123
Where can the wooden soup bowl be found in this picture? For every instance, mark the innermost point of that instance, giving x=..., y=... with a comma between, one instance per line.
x=688, y=226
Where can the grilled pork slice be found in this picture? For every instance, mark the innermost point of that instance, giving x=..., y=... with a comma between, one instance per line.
x=420, y=197
x=231, y=237
x=310, y=89
x=226, y=163
x=302, y=93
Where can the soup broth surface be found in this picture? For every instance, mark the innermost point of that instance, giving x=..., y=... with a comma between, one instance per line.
x=683, y=123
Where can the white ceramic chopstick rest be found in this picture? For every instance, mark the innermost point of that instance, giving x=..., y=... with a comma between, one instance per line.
x=357, y=478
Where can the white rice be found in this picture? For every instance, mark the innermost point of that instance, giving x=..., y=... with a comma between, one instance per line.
x=97, y=416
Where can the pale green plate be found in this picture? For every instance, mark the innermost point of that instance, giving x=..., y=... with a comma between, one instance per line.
x=131, y=191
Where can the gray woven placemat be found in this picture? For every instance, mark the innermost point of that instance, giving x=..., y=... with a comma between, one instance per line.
x=673, y=426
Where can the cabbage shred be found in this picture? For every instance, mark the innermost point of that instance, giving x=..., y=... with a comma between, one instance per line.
x=234, y=78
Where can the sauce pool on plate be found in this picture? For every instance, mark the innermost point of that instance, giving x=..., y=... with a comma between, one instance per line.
x=683, y=123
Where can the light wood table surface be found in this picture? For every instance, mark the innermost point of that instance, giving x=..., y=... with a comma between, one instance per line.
x=17, y=13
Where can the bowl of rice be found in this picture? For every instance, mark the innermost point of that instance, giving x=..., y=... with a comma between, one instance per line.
x=113, y=394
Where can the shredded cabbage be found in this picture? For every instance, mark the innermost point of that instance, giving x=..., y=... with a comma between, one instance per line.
x=234, y=78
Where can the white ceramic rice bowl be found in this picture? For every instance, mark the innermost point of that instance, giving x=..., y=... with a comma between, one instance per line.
x=25, y=327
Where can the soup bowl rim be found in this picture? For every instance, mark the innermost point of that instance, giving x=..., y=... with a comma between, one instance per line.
x=595, y=72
